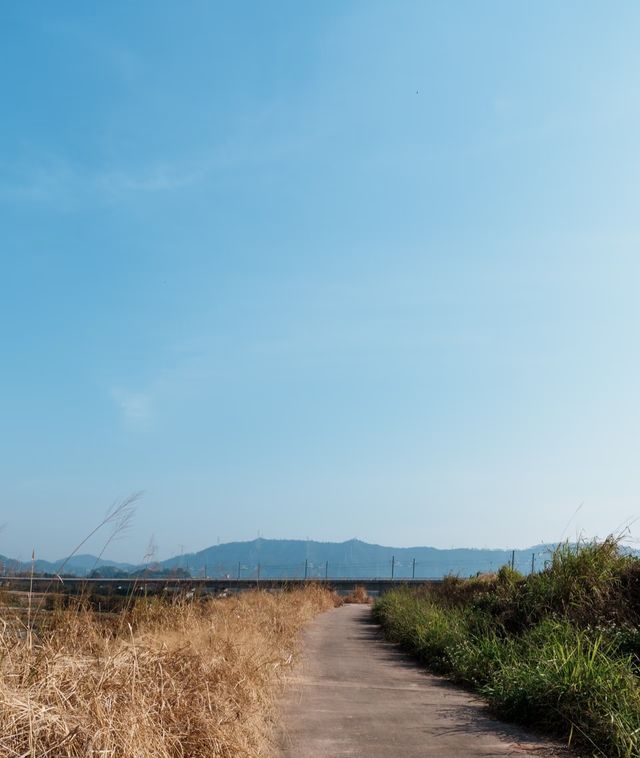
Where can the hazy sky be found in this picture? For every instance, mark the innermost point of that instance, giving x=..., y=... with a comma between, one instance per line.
x=319, y=269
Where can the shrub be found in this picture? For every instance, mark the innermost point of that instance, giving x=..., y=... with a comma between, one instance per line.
x=359, y=596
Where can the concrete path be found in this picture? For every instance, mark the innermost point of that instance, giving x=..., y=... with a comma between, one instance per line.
x=357, y=695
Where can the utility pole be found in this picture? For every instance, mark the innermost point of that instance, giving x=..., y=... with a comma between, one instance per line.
x=533, y=562
x=326, y=570
x=393, y=565
x=238, y=569
x=513, y=559
x=413, y=570
x=306, y=568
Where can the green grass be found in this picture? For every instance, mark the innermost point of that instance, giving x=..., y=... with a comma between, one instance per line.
x=556, y=650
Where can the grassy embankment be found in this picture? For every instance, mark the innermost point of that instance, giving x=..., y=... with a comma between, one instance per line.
x=558, y=650
x=157, y=680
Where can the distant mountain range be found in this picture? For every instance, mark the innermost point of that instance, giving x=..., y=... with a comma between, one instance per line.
x=354, y=558
x=297, y=558
x=78, y=565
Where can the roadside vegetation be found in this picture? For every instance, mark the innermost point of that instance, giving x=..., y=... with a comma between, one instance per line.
x=558, y=650
x=158, y=679
x=358, y=596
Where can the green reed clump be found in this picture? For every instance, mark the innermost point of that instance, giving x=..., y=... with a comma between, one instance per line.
x=571, y=681
x=557, y=650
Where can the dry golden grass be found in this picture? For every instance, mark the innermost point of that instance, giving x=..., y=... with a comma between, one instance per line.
x=191, y=679
x=358, y=596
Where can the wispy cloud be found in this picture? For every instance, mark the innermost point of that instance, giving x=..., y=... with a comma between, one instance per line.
x=50, y=182
x=136, y=407
x=59, y=184
x=156, y=178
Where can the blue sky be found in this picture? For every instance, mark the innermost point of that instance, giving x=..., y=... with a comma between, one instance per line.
x=326, y=270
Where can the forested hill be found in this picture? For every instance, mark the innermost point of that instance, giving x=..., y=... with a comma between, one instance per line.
x=354, y=558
